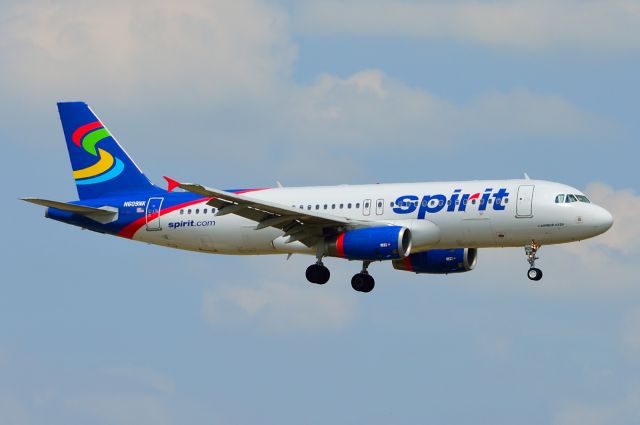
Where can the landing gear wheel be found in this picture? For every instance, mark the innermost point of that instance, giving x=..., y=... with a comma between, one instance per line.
x=318, y=273
x=363, y=282
x=369, y=284
x=534, y=274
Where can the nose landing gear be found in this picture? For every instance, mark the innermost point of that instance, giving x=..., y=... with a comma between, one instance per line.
x=533, y=273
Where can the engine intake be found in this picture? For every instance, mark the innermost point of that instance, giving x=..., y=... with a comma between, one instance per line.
x=371, y=243
x=439, y=261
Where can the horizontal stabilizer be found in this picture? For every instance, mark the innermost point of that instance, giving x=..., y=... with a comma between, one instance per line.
x=101, y=215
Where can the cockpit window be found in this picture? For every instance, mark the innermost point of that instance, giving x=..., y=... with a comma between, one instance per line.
x=571, y=198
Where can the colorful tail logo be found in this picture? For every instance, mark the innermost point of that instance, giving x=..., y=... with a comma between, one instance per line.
x=107, y=166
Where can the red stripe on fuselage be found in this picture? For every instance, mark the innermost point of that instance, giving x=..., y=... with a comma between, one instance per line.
x=129, y=230
x=340, y=245
x=240, y=192
x=81, y=131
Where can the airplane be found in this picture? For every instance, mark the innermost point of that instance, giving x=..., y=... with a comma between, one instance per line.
x=431, y=227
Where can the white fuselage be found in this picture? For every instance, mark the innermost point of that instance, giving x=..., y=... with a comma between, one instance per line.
x=528, y=213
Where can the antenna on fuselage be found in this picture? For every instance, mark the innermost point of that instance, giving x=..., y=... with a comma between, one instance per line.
x=526, y=176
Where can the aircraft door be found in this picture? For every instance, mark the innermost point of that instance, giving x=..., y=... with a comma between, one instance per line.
x=379, y=206
x=154, y=206
x=366, y=207
x=524, y=201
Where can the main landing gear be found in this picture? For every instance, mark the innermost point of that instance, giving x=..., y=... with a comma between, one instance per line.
x=318, y=273
x=534, y=273
x=362, y=282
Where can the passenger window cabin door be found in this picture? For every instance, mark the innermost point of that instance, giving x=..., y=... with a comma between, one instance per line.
x=524, y=201
x=380, y=207
x=366, y=207
x=154, y=206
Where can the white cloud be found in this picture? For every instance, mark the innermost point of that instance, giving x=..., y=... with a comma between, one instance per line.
x=622, y=412
x=528, y=24
x=370, y=107
x=277, y=307
x=191, y=48
x=236, y=58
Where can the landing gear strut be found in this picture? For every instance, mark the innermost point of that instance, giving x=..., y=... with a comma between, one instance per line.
x=531, y=251
x=363, y=281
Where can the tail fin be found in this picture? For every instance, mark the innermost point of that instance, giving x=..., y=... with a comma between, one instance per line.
x=100, y=166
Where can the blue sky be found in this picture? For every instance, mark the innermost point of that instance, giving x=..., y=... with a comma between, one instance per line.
x=99, y=330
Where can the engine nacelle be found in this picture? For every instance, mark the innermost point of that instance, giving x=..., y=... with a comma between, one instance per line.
x=371, y=243
x=439, y=261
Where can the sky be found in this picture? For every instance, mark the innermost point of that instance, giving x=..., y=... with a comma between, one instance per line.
x=244, y=93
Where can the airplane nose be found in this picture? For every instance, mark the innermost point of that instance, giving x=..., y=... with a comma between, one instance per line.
x=602, y=219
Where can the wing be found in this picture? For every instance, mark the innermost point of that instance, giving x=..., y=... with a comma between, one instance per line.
x=305, y=226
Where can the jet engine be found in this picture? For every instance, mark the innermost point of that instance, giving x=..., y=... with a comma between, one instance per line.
x=439, y=261
x=371, y=243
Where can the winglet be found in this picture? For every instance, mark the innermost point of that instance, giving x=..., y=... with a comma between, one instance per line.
x=171, y=183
